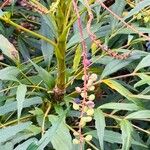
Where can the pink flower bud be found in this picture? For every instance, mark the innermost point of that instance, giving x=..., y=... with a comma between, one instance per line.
x=87, y=62
x=90, y=104
x=78, y=89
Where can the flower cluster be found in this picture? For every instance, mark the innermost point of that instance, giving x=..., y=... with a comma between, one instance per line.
x=85, y=105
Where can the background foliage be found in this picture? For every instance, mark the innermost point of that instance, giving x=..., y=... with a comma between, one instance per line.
x=32, y=117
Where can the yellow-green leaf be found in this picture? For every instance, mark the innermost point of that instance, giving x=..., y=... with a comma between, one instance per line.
x=77, y=58
x=122, y=90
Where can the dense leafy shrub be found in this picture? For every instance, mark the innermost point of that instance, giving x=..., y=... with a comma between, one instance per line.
x=74, y=75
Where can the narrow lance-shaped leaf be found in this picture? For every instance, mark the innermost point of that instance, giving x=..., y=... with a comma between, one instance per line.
x=138, y=8
x=120, y=106
x=32, y=146
x=101, y=30
x=115, y=137
x=100, y=126
x=122, y=90
x=9, y=73
x=77, y=58
x=145, y=80
x=45, y=76
x=118, y=87
x=26, y=144
x=117, y=8
x=20, y=96
x=129, y=31
x=23, y=48
x=145, y=62
x=143, y=114
x=8, y=132
x=12, y=106
x=126, y=129
x=58, y=135
x=47, y=49
x=141, y=96
x=114, y=66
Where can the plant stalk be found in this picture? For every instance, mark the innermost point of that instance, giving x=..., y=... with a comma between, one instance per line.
x=60, y=50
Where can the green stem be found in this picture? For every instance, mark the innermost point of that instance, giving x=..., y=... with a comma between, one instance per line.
x=28, y=31
x=61, y=72
x=61, y=47
x=23, y=119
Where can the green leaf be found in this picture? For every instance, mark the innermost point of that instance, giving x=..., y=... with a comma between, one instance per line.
x=47, y=49
x=114, y=66
x=76, y=147
x=20, y=96
x=141, y=5
x=140, y=96
x=143, y=114
x=77, y=58
x=45, y=76
x=95, y=28
x=23, y=49
x=8, y=49
x=32, y=146
x=9, y=73
x=120, y=106
x=122, y=90
x=50, y=21
x=22, y=136
x=145, y=62
x=25, y=144
x=126, y=129
x=8, y=132
x=12, y=106
x=142, y=82
x=145, y=80
x=129, y=31
x=100, y=126
x=114, y=137
x=58, y=135
x=7, y=146
x=117, y=8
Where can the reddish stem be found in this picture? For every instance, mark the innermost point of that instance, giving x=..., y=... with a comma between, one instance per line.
x=7, y=2
x=121, y=19
x=84, y=55
x=98, y=42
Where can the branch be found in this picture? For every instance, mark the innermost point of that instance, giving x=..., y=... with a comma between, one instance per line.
x=98, y=42
x=28, y=31
x=121, y=19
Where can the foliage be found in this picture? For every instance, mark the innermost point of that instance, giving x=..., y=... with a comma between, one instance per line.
x=74, y=75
